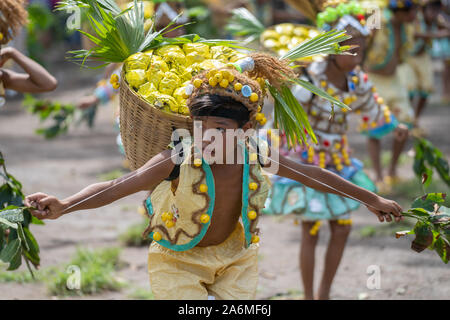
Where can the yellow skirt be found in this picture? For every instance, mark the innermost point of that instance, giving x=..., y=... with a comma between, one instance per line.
x=226, y=271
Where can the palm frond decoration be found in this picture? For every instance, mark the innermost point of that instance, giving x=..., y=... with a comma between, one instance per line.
x=324, y=43
x=244, y=24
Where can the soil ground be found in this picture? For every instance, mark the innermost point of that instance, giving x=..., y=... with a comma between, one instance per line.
x=67, y=164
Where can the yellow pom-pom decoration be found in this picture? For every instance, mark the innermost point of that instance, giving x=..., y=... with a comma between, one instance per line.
x=116, y=85
x=254, y=97
x=218, y=77
x=224, y=83
x=204, y=218
x=255, y=239
x=259, y=116
x=237, y=86
x=170, y=223
x=253, y=156
x=197, y=162
x=114, y=78
x=157, y=236
x=212, y=82
x=197, y=83
x=263, y=121
x=259, y=109
x=253, y=186
x=203, y=188
x=355, y=79
x=323, y=83
x=252, y=215
x=380, y=100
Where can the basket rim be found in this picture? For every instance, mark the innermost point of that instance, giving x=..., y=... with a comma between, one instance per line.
x=172, y=116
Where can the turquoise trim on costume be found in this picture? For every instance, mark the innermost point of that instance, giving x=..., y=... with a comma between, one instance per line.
x=245, y=178
x=199, y=237
x=148, y=204
x=383, y=130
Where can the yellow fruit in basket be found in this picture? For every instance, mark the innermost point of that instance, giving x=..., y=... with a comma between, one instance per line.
x=163, y=101
x=175, y=58
x=146, y=89
x=169, y=83
x=194, y=57
x=222, y=53
x=135, y=77
x=137, y=61
x=184, y=110
x=284, y=40
x=166, y=49
x=300, y=31
x=199, y=48
x=271, y=43
x=157, y=64
x=270, y=34
x=313, y=33
x=285, y=28
x=211, y=64
x=154, y=77
x=179, y=94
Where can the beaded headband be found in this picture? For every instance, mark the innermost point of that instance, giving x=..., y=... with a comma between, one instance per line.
x=231, y=81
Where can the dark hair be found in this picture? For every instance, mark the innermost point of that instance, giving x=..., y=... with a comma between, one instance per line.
x=220, y=106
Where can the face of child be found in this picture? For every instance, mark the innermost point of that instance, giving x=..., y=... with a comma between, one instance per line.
x=215, y=128
x=349, y=62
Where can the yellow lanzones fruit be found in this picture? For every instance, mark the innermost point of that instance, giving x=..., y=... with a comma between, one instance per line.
x=137, y=61
x=135, y=78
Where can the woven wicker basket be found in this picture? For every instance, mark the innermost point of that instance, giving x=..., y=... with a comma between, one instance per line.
x=145, y=129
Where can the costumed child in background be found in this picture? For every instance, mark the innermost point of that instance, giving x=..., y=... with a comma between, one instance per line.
x=341, y=76
x=13, y=16
x=417, y=71
x=107, y=88
x=389, y=48
x=200, y=248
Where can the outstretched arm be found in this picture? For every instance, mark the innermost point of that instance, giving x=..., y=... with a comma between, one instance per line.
x=328, y=182
x=101, y=194
x=35, y=78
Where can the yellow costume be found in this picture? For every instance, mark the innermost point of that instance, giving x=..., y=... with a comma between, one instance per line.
x=226, y=271
x=179, y=220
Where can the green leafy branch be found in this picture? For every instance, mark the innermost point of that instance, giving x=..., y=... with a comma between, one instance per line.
x=428, y=157
x=16, y=240
x=63, y=115
x=432, y=229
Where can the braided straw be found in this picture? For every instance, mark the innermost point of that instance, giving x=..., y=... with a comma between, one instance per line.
x=13, y=16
